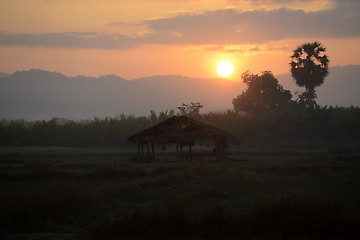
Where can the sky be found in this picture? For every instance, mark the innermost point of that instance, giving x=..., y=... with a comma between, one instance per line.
x=139, y=38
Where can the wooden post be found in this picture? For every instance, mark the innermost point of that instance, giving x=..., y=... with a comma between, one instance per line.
x=181, y=151
x=218, y=152
x=138, y=151
x=148, y=151
x=190, y=155
x=153, y=149
x=177, y=151
x=142, y=149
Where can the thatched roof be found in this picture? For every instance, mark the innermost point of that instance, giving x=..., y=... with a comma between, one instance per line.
x=180, y=129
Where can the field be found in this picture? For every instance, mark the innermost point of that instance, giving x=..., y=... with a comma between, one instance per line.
x=259, y=193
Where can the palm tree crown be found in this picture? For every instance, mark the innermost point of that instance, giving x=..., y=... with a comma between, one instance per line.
x=309, y=66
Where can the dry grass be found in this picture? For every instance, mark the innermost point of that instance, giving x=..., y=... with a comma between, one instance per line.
x=253, y=196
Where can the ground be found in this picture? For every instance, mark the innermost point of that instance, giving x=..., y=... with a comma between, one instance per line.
x=272, y=193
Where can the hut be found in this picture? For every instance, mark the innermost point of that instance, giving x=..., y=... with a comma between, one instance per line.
x=185, y=132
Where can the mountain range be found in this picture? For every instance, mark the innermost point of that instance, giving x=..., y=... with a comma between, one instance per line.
x=37, y=94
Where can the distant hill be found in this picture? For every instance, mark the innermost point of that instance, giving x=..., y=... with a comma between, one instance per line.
x=341, y=87
x=38, y=94
x=214, y=94
x=3, y=74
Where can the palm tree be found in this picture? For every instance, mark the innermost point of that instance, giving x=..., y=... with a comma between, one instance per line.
x=309, y=67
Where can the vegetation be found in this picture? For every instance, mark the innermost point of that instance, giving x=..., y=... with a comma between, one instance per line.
x=264, y=93
x=108, y=132
x=290, y=125
x=309, y=67
x=259, y=194
x=192, y=110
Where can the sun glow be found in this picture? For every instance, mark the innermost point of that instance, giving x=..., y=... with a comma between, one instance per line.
x=225, y=69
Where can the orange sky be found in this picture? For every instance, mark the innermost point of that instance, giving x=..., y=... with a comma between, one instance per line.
x=137, y=38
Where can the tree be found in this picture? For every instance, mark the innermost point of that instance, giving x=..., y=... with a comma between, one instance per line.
x=191, y=110
x=309, y=67
x=263, y=93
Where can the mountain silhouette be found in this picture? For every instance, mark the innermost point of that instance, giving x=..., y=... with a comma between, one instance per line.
x=3, y=74
x=39, y=94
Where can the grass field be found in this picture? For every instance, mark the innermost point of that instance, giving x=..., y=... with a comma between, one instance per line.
x=269, y=193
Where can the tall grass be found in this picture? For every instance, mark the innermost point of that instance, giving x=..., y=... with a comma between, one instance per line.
x=96, y=132
x=321, y=124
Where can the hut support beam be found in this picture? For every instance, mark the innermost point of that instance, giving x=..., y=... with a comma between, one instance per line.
x=190, y=154
x=148, y=150
x=153, y=149
x=138, y=147
x=145, y=150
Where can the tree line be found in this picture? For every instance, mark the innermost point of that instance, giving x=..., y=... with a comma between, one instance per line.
x=283, y=125
x=108, y=132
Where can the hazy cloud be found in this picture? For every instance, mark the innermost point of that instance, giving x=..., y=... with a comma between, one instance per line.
x=68, y=40
x=221, y=27
x=243, y=1
x=253, y=49
x=232, y=27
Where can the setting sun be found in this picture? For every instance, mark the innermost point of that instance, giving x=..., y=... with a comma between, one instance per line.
x=225, y=69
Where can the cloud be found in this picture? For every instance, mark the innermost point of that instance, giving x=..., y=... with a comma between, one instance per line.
x=232, y=27
x=346, y=2
x=221, y=27
x=131, y=29
x=242, y=1
x=68, y=40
